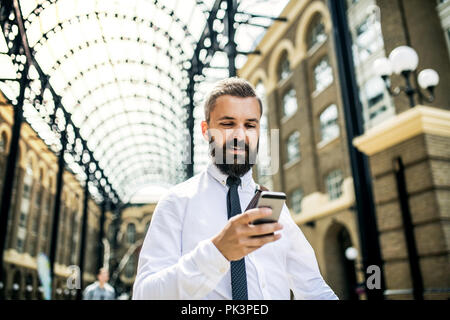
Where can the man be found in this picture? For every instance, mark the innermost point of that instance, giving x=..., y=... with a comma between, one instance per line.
x=193, y=251
x=100, y=290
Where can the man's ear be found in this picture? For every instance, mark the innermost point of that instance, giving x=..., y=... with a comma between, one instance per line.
x=205, y=132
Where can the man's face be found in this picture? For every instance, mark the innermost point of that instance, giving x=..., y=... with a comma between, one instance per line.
x=233, y=133
x=103, y=276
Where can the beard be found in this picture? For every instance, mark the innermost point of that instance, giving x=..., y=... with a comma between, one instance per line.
x=235, y=165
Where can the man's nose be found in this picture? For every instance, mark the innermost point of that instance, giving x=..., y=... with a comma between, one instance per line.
x=238, y=134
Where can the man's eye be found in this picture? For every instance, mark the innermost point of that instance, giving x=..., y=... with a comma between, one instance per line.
x=227, y=124
x=251, y=126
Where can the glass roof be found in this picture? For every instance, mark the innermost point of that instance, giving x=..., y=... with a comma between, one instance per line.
x=119, y=68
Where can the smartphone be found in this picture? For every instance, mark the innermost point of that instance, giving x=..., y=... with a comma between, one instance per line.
x=273, y=200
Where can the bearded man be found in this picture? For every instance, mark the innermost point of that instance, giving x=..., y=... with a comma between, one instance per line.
x=200, y=245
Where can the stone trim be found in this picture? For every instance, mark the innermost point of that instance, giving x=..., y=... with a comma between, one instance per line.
x=317, y=205
x=408, y=124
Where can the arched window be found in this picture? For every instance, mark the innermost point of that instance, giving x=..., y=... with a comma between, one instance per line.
x=296, y=200
x=333, y=183
x=293, y=147
x=316, y=33
x=36, y=217
x=131, y=233
x=368, y=39
x=323, y=74
x=62, y=234
x=284, y=67
x=289, y=103
x=45, y=222
x=75, y=236
x=111, y=232
x=2, y=143
x=329, y=128
x=130, y=267
x=264, y=159
x=24, y=208
x=376, y=102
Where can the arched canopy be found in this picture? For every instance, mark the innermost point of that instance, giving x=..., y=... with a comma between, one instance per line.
x=120, y=69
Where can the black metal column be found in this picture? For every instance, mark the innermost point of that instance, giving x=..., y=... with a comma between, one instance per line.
x=231, y=46
x=101, y=234
x=57, y=205
x=11, y=167
x=83, y=235
x=408, y=228
x=190, y=126
x=370, y=247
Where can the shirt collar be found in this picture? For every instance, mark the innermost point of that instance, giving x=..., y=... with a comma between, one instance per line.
x=246, y=179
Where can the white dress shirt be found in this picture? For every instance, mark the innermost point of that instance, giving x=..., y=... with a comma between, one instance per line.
x=179, y=261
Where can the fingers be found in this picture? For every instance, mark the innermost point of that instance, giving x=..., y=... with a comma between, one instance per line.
x=256, y=243
x=261, y=229
x=252, y=215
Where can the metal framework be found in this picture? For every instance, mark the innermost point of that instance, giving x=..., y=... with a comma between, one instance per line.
x=110, y=89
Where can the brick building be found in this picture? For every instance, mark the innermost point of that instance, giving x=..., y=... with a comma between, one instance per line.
x=296, y=73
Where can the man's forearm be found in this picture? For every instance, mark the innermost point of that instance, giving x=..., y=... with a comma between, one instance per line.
x=195, y=275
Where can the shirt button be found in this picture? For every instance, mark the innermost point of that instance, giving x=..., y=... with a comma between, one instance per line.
x=222, y=270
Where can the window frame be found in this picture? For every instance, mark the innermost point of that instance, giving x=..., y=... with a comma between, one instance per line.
x=333, y=184
x=329, y=69
x=296, y=134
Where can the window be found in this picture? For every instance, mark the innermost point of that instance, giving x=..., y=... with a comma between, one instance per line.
x=284, y=67
x=296, y=200
x=377, y=105
x=333, y=184
x=111, y=232
x=293, y=147
x=24, y=208
x=45, y=223
x=2, y=143
x=75, y=232
x=316, y=33
x=36, y=220
x=369, y=39
x=62, y=233
x=443, y=9
x=323, y=74
x=129, y=268
x=289, y=103
x=329, y=128
x=264, y=159
x=131, y=233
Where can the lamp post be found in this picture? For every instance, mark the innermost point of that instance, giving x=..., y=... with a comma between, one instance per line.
x=404, y=60
x=351, y=254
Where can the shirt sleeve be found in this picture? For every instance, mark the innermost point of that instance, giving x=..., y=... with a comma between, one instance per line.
x=87, y=294
x=304, y=274
x=163, y=273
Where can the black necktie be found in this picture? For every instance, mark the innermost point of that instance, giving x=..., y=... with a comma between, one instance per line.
x=238, y=274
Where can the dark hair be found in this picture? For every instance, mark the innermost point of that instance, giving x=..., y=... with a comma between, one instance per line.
x=235, y=87
x=99, y=270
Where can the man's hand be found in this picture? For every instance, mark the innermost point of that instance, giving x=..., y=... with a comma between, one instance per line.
x=237, y=238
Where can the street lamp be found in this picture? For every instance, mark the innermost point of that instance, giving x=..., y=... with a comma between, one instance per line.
x=404, y=60
x=351, y=253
